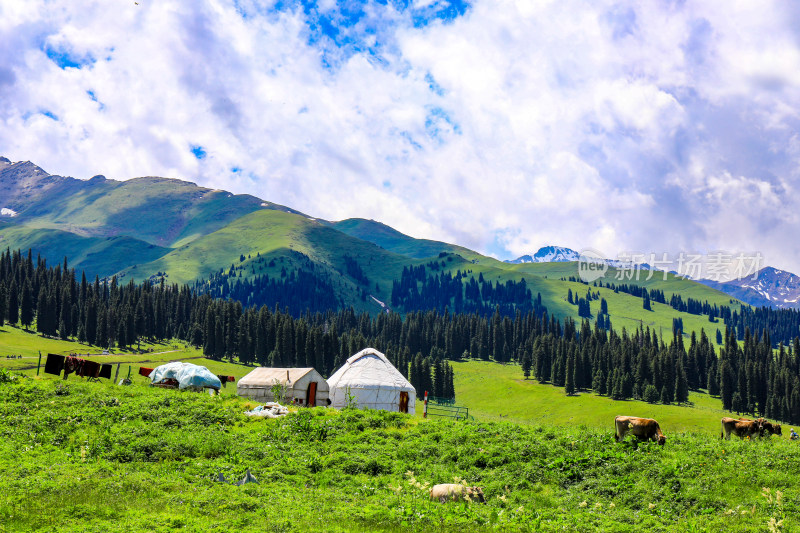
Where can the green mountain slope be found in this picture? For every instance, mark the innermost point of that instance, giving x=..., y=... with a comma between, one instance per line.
x=288, y=241
x=160, y=211
x=292, y=241
x=390, y=239
x=148, y=227
x=95, y=255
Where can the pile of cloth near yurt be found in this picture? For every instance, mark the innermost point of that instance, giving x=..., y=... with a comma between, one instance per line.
x=184, y=376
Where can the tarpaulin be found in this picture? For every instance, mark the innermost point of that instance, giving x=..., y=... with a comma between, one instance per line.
x=187, y=375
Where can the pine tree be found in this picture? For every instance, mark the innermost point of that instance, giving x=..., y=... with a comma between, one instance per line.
x=26, y=311
x=526, y=366
x=681, y=384
x=650, y=394
x=3, y=294
x=122, y=334
x=210, y=329
x=736, y=402
x=102, y=329
x=65, y=320
x=12, y=304
x=219, y=340
x=599, y=382
x=666, y=397
x=569, y=385
x=726, y=388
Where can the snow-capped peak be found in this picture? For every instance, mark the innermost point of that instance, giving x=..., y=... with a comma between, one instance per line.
x=549, y=254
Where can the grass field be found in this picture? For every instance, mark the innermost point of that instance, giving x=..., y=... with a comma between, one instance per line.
x=83, y=456
x=15, y=341
x=96, y=457
x=499, y=392
x=491, y=391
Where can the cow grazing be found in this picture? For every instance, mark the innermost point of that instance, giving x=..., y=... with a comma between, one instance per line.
x=769, y=429
x=741, y=428
x=642, y=428
x=456, y=492
x=765, y=427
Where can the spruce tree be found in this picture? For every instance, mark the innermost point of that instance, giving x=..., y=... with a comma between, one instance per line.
x=569, y=384
x=102, y=329
x=3, y=294
x=65, y=320
x=666, y=397
x=210, y=342
x=26, y=311
x=650, y=394
x=526, y=366
x=599, y=382
x=681, y=384
x=12, y=304
x=122, y=334
x=219, y=340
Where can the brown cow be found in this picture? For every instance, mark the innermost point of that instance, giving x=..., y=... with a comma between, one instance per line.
x=765, y=427
x=741, y=428
x=642, y=428
x=769, y=429
x=456, y=492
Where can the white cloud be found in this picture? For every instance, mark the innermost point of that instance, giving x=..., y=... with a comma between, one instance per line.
x=585, y=124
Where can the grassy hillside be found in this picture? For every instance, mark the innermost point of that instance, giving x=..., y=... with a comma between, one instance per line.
x=101, y=256
x=149, y=226
x=160, y=211
x=96, y=457
x=293, y=241
x=28, y=344
x=157, y=210
x=499, y=392
x=390, y=239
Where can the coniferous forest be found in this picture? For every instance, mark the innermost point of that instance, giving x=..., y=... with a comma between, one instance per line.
x=747, y=374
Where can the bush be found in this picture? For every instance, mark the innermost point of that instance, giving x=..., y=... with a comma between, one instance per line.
x=651, y=394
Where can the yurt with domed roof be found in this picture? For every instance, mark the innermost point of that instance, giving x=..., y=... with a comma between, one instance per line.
x=372, y=382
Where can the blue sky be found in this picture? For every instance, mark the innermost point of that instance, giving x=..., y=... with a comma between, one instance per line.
x=502, y=126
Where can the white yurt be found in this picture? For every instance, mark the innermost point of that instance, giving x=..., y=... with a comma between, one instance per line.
x=303, y=386
x=373, y=382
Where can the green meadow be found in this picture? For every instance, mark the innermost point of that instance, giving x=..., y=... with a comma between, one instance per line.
x=16, y=341
x=498, y=392
x=93, y=456
x=78, y=456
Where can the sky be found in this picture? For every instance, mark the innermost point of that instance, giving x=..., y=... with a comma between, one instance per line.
x=502, y=126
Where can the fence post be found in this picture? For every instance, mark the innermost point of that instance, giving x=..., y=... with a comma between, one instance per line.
x=117, y=374
x=425, y=412
x=40, y=363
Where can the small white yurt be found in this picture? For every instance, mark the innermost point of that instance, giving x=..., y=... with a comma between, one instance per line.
x=373, y=382
x=302, y=386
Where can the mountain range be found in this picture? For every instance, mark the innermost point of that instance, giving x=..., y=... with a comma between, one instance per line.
x=157, y=228
x=769, y=286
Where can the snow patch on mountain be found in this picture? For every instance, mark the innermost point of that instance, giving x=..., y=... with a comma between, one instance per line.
x=777, y=286
x=6, y=212
x=771, y=287
x=560, y=254
x=548, y=254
